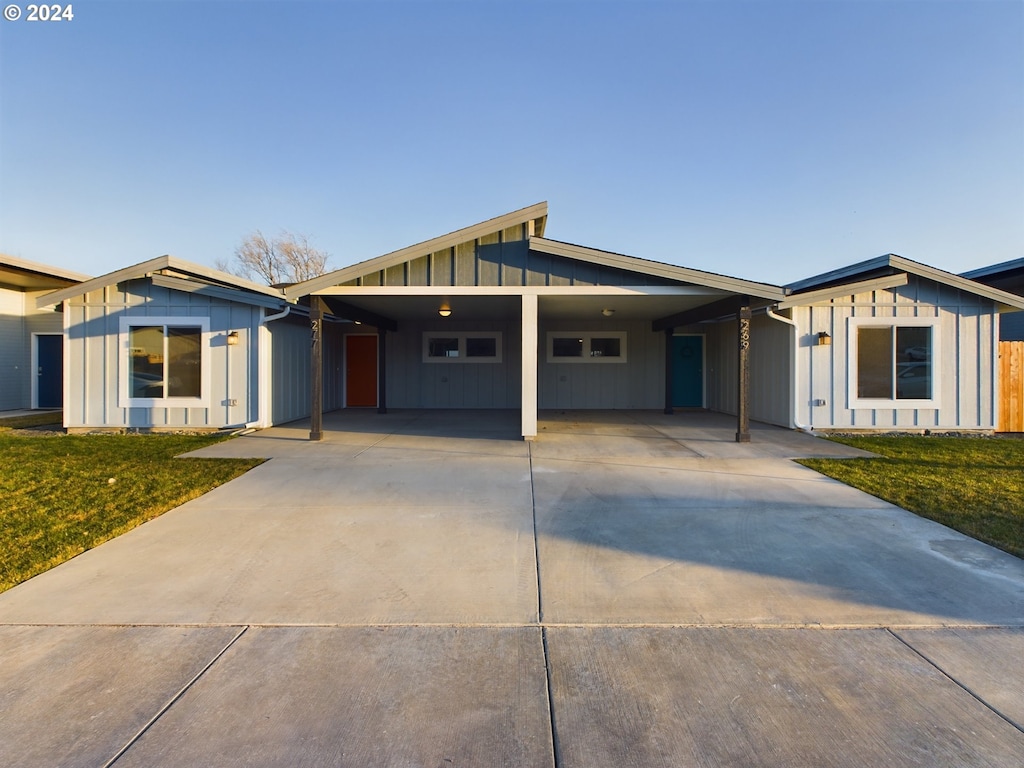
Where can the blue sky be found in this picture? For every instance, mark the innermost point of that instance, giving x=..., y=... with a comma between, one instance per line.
x=765, y=140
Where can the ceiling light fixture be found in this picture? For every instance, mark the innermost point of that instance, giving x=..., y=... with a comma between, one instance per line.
x=607, y=312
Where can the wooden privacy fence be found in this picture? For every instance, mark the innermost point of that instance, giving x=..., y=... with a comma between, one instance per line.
x=1011, y=386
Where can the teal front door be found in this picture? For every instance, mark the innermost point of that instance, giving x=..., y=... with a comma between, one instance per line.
x=688, y=371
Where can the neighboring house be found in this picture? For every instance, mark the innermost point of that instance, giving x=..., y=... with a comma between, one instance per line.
x=496, y=315
x=31, y=340
x=170, y=345
x=1007, y=276
x=910, y=347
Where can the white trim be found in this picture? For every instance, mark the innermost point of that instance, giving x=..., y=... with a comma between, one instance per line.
x=854, y=401
x=586, y=337
x=827, y=295
x=461, y=337
x=34, y=362
x=123, y=396
x=528, y=389
x=66, y=405
x=519, y=290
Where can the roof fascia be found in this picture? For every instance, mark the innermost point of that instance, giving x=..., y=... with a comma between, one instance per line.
x=843, y=273
x=522, y=216
x=892, y=261
x=219, y=291
x=955, y=281
x=657, y=269
x=846, y=289
x=146, y=268
x=994, y=269
x=41, y=269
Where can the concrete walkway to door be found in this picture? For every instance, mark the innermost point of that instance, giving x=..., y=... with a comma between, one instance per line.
x=423, y=588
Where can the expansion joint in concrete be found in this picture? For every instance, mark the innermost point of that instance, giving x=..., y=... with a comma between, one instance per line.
x=957, y=683
x=170, y=702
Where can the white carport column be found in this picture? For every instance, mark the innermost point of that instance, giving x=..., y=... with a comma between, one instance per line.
x=529, y=364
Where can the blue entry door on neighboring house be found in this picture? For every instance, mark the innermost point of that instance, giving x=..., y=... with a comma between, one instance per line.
x=49, y=371
x=688, y=371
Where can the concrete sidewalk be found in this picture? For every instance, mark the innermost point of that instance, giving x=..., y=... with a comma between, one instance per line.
x=422, y=588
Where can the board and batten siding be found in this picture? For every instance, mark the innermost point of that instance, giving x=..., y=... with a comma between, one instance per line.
x=967, y=334
x=14, y=351
x=639, y=383
x=770, y=368
x=19, y=319
x=95, y=362
x=413, y=383
x=500, y=259
x=290, y=351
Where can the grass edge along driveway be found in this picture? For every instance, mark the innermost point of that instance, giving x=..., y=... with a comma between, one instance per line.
x=972, y=484
x=61, y=495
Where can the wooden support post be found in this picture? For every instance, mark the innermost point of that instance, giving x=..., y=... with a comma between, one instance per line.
x=382, y=371
x=316, y=370
x=668, y=370
x=743, y=370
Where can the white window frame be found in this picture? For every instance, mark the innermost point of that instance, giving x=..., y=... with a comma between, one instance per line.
x=586, y=337
x=461, y=336
x=853, y=326
x=124, y=341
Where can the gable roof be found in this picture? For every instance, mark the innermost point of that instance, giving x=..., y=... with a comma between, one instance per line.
x=25, y=275
x=175, y=273
x=536, y=213
x=890, y=264
x=658, y=269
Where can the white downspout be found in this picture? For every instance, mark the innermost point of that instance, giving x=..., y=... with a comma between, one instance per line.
x=793, y=386
x=265, y=368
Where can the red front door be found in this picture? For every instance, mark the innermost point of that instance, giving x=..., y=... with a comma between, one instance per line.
x=360, y=371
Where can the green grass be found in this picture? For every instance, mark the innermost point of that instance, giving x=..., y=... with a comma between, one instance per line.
x=974, y=485
x=57, y=499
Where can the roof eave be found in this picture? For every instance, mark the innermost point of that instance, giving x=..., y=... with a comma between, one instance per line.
x=144, y=268
x=659, y=269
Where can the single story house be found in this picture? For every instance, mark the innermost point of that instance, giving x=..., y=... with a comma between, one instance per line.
x=171, y=345
x=497, y=315
x=31, y=339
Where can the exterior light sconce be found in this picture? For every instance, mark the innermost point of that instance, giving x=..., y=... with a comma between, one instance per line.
x=607, y=312
x=824, y=340
x=233, y=338
x=444, y=311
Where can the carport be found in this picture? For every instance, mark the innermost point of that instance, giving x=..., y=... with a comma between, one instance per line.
x=497, y=316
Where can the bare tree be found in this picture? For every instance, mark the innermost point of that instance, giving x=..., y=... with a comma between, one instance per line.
x=287, y=258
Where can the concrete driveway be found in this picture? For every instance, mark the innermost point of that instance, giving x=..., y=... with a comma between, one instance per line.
x=423, y=588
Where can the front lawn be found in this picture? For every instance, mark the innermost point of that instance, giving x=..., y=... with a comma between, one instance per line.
x=63, y=494
x=972, y=484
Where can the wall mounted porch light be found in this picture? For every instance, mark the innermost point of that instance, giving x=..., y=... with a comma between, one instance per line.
x=824, y=339
x=232, y=338
x=607, y=312
x=444, y=310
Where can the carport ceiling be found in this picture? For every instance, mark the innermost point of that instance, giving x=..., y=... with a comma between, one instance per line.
x=509, y=307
